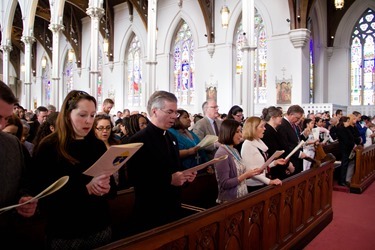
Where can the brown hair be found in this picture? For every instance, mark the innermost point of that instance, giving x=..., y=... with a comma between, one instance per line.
x=271, y=111
x=16, y=121
x=250, y=127
x=64, y=132
x=111, y=139
x=227, y=131
x=295, y=109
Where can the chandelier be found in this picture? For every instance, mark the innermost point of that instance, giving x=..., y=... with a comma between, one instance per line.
x=224, y=16
x=339, y=4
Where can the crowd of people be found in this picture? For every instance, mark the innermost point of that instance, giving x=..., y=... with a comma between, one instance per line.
x=44, y=145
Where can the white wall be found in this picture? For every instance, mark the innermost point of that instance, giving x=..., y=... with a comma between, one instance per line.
x=331, y=73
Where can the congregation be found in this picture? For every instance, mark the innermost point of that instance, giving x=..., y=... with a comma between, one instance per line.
x=51, y=142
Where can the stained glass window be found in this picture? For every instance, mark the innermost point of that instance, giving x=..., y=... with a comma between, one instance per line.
x=184, y=66
x=362, y=61
x=68, y=75
x=311, y=71
x=134, y=68
x=260, y=60
x=100, y=78
x=46, y=85
x=311, y=64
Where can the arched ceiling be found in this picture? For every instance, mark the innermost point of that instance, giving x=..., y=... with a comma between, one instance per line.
x=75, y=10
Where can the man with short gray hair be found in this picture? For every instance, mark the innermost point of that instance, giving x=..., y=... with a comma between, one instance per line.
x=155, y=170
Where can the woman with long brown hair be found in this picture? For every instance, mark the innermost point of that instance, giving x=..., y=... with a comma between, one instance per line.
x=78, y=214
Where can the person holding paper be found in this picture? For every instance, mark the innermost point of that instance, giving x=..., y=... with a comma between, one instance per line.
x=273, y=117
x=13, y=166
x=347, y=142
x=155, y=170
x=310, y=141
x=187, y=141
x=231, y=173
x=290, y=136
x=209, y=125
x=254, y=154
x=78, y=214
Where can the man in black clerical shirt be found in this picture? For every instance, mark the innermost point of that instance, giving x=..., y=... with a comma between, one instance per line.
x=155, y=170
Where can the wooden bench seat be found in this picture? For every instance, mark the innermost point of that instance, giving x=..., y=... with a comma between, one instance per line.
x=282, y=217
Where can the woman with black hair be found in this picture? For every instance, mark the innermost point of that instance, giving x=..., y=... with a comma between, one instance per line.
x=236, y=113
x=187, y=141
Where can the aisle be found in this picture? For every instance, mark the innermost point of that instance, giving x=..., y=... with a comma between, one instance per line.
x=353, y=225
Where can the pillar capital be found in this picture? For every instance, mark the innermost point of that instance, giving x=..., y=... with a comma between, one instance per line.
x=56, y=27
x=95, y=12
x=6, y=48
x=28, y=39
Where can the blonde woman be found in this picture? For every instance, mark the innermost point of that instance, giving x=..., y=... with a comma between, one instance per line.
x=254, y=154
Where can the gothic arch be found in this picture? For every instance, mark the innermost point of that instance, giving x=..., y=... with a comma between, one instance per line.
x=345, y=28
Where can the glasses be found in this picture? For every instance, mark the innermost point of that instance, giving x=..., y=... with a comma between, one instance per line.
x=171, y=112
x=108, y=128
x=239, y=115
x=214, y=107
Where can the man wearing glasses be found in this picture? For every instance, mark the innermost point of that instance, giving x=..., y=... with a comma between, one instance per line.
x=290, y=136
x=209, y=125
x=155, y=170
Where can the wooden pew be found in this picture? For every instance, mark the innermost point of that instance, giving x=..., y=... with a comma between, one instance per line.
x=282, y=217
x=364, y=170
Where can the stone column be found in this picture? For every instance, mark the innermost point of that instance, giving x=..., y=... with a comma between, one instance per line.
x=248, y=58
x=300, y=38
x=56, y=29
x=7, y=48
x=28, y=41
x=151, y=49
x=95, y=12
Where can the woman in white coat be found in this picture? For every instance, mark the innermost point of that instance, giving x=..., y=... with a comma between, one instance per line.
x=254, y=154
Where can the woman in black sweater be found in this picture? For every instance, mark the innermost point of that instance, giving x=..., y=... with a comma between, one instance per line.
x=78, y=214
x=347, y=141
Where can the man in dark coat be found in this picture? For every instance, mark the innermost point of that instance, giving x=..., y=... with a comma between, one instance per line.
x=290, y=136
x=155, y=170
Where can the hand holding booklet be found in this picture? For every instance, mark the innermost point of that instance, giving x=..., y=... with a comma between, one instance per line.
x=113, y=159
x=204, y=165
x=207, y=141
x=295, y=149
x=49, y=190
x=272, y=158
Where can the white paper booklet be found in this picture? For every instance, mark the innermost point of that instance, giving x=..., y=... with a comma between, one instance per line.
x=316, y=132
x=49, y=190
x=204, y=165
x=113, y=159
x=272, y=158
x=295, y=149
x=207, y=141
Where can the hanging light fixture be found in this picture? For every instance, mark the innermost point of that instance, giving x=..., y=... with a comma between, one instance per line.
x=106, y=40
x=44, y=59
x=71, y=55
x=224, y=16
x=339, y=4
x=44, y=62
x=105, y=46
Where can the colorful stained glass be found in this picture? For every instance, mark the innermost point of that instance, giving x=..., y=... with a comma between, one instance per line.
x=184, y=66
x=362, y=61
x=260, y=60
x=134, y=73
x=67, y=76
x=46, y=83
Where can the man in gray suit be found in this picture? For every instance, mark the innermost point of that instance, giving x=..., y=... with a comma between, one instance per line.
x=209, y=125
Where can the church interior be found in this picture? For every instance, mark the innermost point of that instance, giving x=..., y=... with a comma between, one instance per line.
x=318, y=54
